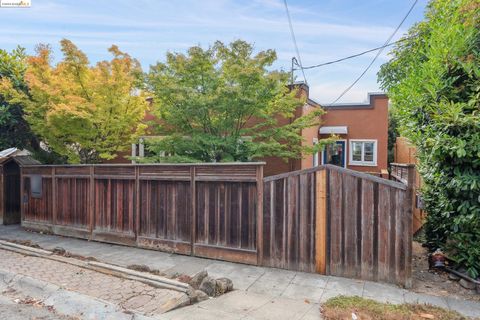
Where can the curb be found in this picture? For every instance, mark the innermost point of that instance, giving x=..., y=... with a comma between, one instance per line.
x=121, y=272
x=66, y=302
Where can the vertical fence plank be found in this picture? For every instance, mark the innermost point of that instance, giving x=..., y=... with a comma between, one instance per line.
x=259, y=214
x=91, y=204
x=383, y=243
x=137, y=212
x=321, y=221
x=193, y=194
x=22, y=196
x=54, y=197
x=367, y=234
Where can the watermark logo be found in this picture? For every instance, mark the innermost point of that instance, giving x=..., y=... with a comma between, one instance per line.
x=15, y=3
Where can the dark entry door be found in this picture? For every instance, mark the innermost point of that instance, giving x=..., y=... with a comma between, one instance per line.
x=12, y=193
x=335, y=154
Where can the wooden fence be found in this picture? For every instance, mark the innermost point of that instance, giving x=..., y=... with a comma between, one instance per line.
x=326, y=219
x=205, y=210
x=406, y=173
x=339, y=222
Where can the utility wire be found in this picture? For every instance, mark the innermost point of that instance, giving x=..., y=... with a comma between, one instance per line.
x=352, y=56
x=378, y=53
x=294, y=39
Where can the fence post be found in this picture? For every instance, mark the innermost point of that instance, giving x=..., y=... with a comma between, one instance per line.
x=193, y=196
x=136, y=224
x=54, y=197
x=91, y=207
x=22, y=197
x=321, y=221
x=410, y=203
x=260, y=215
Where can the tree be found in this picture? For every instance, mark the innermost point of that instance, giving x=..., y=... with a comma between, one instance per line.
x=433, y=81
x=14, y=130
x=82, y=112
x=392, y=136
x=222, y=104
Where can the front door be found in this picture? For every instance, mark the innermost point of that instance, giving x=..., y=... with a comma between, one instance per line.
x=335, y=154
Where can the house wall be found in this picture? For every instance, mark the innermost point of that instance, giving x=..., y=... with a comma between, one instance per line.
x=364, y=121
x=308, y=135
x=404, y=152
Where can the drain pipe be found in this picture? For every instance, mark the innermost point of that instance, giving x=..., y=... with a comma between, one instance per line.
x=462, y=275
x=438, y=260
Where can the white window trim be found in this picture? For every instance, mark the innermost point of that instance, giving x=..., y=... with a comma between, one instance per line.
x=345, y=151
x=316, y=155
x=351, y=162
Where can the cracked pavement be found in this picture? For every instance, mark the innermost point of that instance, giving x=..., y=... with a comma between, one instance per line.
x=127, y=294
x=259, y=292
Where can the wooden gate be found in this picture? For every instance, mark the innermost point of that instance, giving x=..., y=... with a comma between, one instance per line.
x=339, y=222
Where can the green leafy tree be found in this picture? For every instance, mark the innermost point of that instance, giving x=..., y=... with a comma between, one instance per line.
x=14, y=130
x=223, y=104
x=85, y=113
x=392, y=136
x=434, y=83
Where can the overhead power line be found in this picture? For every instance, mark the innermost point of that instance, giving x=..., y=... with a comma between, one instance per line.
x=352, y=56
x=294, y=39
x=378, y=53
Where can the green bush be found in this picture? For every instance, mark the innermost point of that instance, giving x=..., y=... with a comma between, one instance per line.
x=434, y=83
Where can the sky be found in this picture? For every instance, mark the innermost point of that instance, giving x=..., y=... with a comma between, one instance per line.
x=147, y=29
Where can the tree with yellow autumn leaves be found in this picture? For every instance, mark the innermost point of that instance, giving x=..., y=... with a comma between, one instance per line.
x=85, y=113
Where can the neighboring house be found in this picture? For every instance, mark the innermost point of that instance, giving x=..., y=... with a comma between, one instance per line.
x=362, y=131
x=361, y=128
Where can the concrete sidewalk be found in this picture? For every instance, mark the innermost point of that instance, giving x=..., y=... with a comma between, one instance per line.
x=261, y=293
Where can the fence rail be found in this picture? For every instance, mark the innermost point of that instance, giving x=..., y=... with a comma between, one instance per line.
x=326, y=219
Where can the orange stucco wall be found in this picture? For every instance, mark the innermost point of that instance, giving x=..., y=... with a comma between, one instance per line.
x=363, y=122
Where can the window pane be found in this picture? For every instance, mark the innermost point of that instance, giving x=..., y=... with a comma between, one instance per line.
x=357, y=151
x=368, y=151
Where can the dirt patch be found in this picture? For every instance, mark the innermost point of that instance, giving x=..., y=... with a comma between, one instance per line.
x=79, y=257
x=26, y=243
x=39, y=232
x=435, y=282
x=144, y=268
x=342, y=308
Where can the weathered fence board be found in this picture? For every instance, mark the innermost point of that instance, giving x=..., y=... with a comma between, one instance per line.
x=289, y=221
x=38, y=210
x=165, y=218
x=71, y=200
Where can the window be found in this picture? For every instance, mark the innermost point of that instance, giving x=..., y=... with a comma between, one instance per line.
x=364, y=152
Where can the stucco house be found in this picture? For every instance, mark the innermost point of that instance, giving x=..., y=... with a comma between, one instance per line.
x=362, y=131
x=361, y=128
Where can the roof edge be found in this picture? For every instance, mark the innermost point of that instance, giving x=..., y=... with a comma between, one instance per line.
x=357, y=105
